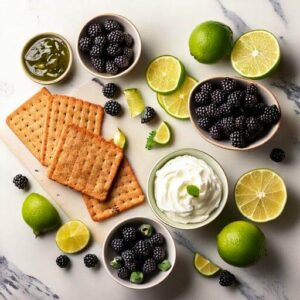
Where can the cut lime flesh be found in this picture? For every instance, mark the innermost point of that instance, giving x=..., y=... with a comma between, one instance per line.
x=120, y=138
x=163, y=134
x=204, y=266
x=135, y=102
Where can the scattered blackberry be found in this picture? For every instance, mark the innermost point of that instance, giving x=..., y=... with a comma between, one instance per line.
x=128, y=255
x=85, y=43
x=228, y=125
x=238, y=139
x=235, y=99
x=96, y=51
x=113, y=50
x=112, y=108
x=218, y=96
x=216, y=132
x=149, y=114
x=212, y=111
x=204, y=123
x=116, y=36
x=202, y=98
x=228, y=84
x=90, y=260
x=149, y=266
x=159, y=253
x=128, y=52
x=277, y=155
x=128, y=39
x=122, y=61
x=250, y=101
x=98, y=64
x=111, y=25
x=131, y=265
x=206, y=87
x=142, y=248
x=157, y=239
x=129, y=234
x=111, y=68
x=240, y=123
x=94, y=30
x=100, y=40
x=110, y=90
x=123, y=273
x=251, y=89
x=20, y=181
x=63, y=261
x=271, y=115
x=226, y=278
x=225, y=110
x=118, y=245
x=201, y=111
x=252, y=124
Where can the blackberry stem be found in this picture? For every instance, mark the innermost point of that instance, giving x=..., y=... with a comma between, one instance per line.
x=97, y=81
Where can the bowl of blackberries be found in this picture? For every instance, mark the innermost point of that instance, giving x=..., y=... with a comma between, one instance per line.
x=109, y=46
x=139, y=253
x=234, y=113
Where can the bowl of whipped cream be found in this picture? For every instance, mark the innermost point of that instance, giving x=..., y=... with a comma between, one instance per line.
x=187, y=189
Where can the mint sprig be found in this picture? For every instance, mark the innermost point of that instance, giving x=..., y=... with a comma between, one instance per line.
x=150, y=140
x=193, y=190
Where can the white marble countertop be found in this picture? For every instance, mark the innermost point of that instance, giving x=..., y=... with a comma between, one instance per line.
x=32, y=261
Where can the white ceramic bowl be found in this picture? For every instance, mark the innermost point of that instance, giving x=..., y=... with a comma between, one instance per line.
x=108, y=254
x=128, y=27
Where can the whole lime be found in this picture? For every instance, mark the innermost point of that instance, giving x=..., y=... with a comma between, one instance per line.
x=241, y=243
x=210, y=42
x=40, y=214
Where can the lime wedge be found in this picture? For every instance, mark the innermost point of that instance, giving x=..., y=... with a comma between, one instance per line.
x=256, y=54
x=72, y=237
x=135, y=102
x=204, y=266
x=120, y=138
x=163, y=134
x=176, y=104
x=165, y=74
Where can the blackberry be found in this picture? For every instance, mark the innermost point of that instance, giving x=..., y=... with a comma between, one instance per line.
x=118, y=245
x=116, y=36
x=20, y=181
x=251, y=89
x=131, y=265
x=250, y=136
x=149, y=114
x=111, y=25
x=159, y=253
x=204, y=123
x=228, y=84
x=212, y=111
x=216, y=132
x=100, y=40
x=128, y=40
x=277, y=155
x=112, y=108
x=201, y=111
x=240, y=122
x=94, y=30
x=113, y=50
x=238, y=139
x=85, y=43
x=271, y=115
x=258, y=109
x=128, y=256
x=149, y=266
x=122, y=61
x=110, y=90
x=250, y=101
x=123, y=273
x=157, y=239
x=128, y=52
x=217, y=96
x=235, y=99
x=252, y=124
x=226, y=278
x=63, y=261
x=98, y=64
x=206, y=87
x=90, y=260
x=142, y=248
x=96, y=51
x=228, y=125
x=202, y=98
x=111, y=68
x=225, y=110
x=129, y=234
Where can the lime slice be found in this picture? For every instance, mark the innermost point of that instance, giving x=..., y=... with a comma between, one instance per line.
x=176, y=104
x=165, y=74
x=204, y=266
x=72, y=237
x=163, y=134
x=135, y=102
x=120, y=138
x=256, y=54
x=260, y=195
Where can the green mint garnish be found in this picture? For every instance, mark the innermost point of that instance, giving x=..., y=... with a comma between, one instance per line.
x=146, y=230
x=165, y=265
x=150, y=140
x=136, y=277
x=193, y=190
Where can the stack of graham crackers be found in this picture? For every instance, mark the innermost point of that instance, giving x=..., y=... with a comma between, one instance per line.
x=63, y=133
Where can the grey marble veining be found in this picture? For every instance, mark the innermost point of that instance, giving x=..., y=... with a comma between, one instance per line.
x=278, y=9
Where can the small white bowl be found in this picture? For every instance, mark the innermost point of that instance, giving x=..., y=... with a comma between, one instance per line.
x=108, y=254
x=128, y=27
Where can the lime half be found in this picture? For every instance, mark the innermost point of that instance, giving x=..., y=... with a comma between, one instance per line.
x=256, y=54
x=135, y=102
x=165, y=74
x=163, y=134
x=176, y=104
x=204, y=266
x=120, y=138
x=72, y=237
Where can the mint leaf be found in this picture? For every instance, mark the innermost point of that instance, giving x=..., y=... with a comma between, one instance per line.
x=150, y=140
x=193, y=190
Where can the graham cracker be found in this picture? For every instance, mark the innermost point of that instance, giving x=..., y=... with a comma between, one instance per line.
x=124, y=194
x=62, y=110
x=85, y=162
x=27, y=121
